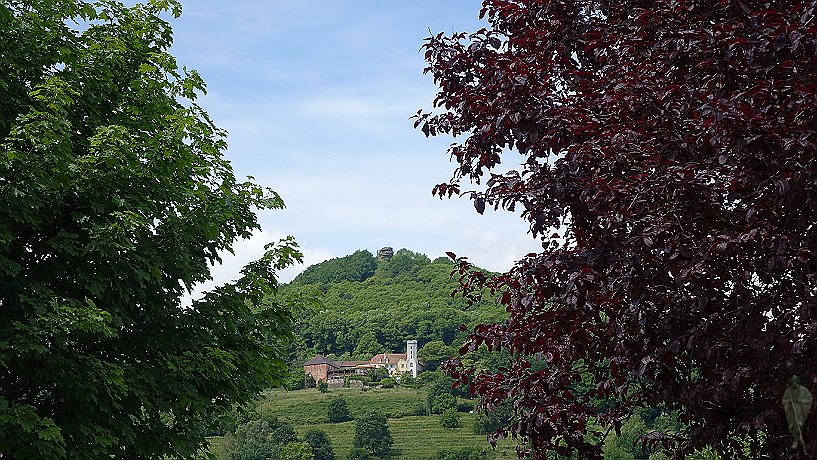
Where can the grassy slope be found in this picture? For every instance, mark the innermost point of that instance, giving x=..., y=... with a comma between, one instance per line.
x=415, y=437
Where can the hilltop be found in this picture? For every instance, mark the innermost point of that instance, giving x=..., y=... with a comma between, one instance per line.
x=368, y=306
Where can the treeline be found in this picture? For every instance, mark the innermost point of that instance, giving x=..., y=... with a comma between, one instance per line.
x=367, y=306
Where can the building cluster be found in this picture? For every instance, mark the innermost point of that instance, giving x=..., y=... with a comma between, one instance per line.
x=397, y=364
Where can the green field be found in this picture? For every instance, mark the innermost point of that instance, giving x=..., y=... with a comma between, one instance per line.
x=415, y=437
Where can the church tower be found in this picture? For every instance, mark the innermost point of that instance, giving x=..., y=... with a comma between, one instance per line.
x=411, y=357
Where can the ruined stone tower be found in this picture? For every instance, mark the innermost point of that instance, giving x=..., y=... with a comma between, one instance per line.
x=385, y=253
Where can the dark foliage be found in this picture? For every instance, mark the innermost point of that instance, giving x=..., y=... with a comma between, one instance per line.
x=338, y=411
x=372, y=434
x=320, y=443
x=463, y=453
x=408, y=300
x=490, y=421
x=281, y=431
x=357, y=266
x=404, y=262
x=672, y=143
x=250, y=442
x=450, y=419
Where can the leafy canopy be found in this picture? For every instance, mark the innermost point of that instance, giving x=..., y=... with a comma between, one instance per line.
x=410, y=299
x=671, y=144
x=355, y=267
x=338, y=411
x=320, y=443
x=115, y=199
x=372, y=434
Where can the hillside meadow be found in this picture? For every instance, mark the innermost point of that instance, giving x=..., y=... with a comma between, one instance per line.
x=416, y=437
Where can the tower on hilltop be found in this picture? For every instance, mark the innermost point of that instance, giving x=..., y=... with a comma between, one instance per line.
x=385, y=253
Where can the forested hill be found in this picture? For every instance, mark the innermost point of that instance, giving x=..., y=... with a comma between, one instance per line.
x=370, y=306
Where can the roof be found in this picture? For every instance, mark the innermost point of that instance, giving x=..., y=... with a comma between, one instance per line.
x=352, y=363
x=318, y=359
x=387, y=358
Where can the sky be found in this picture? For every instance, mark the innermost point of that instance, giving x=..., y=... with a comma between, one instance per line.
x=316, y=97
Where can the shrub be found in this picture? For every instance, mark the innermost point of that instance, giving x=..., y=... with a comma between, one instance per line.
x=377, y=374
x=320, y=443
x=372, y=434
x=358, y=454
x=323, y=387
x=406, y=380
x=441, y=403
x=465, y=405
x=424, y=378
x=252, y=441
x=419, y=409
x=489, y=422
x=296, y=380
x=281, y=432
x=296, y=451
x=362, y=378
x=450, y=419
x=387, y=382
x=463, y=453
x=338, y=411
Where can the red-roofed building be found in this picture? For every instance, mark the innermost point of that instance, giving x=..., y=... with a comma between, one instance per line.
x=395, y=363
x=322, y=368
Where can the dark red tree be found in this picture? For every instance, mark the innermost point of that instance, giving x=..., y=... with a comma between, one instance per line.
x=673, y=142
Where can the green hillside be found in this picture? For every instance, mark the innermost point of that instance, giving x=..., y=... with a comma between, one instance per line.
x=359, y=306
x=415, y=437
x=369, y=306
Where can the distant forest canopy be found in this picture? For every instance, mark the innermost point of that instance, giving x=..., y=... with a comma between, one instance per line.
x=367, y=306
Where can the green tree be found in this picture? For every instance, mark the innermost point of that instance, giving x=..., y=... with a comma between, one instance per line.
x=115, y=200
x=323, y=387
x=358, y=266
x=439, y=403
x=281, y=431
x=450, y=419
x=407, y=380
x=252, y=441
x=404, y=262
x=309, y=381
x=320, y=443
x=338, y=411
x=489, y=421
x=356, y=453
x=372, y=434
x=296, y=380
x=623, y=446
x=434, y=353
x=296, y=451
x=377, y=374
x=367, y=346
x=440, y=394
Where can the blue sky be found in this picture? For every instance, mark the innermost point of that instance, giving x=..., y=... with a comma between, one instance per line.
x=316, y=96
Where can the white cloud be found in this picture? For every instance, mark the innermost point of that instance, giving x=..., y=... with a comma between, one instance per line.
x=312, y=256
